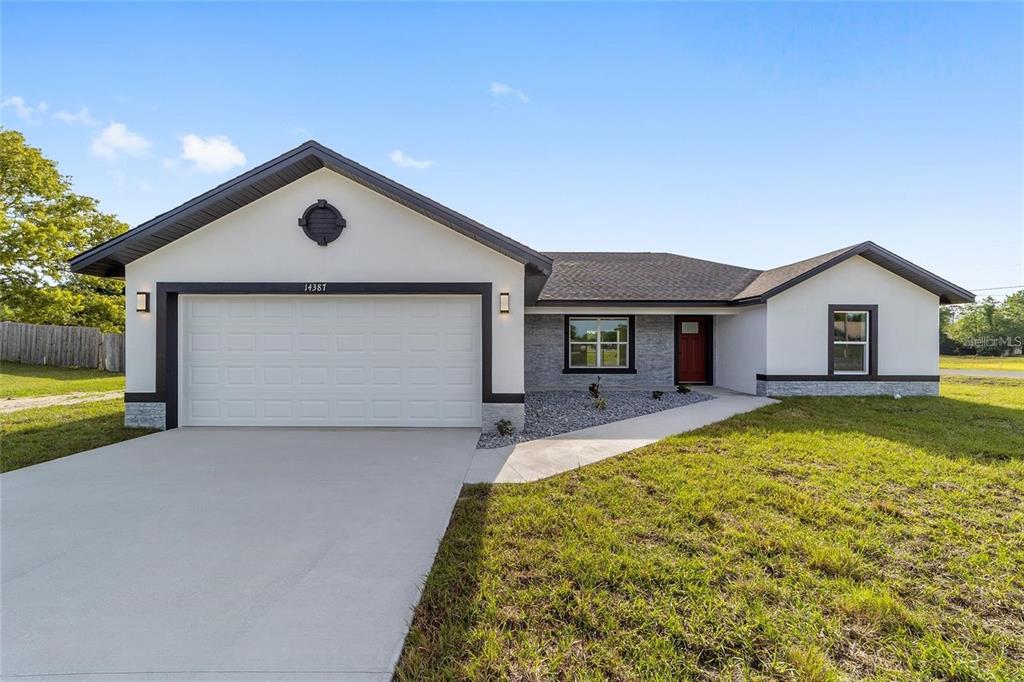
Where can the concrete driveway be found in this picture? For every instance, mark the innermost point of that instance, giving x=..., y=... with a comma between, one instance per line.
x=225, y=553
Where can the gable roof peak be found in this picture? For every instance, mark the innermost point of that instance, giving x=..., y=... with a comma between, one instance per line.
x=109, y=258
x=776, y=280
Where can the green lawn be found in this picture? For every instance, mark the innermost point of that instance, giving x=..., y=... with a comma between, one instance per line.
x=22, y=381
x=44, y=433
x=1015, y=363
x=816, y=539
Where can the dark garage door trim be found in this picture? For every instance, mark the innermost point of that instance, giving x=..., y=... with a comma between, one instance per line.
x=167, y=325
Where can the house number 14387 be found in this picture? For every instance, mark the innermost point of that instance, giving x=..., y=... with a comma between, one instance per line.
x=315, y=287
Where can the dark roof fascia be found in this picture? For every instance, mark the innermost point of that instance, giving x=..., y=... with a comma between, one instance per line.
x=437, y=212
x=945, y=290
x=948, y=292
x=195, y=204
x=337, y=163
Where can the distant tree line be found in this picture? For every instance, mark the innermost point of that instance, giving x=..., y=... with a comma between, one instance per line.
x=988, y=327
x=44, y=223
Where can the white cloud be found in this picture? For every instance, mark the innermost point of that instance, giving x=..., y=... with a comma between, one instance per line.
x=22, y=108
x=401, y=159
x=80, y=117
x=116, y=141
x=213, y=154
x=503, y=90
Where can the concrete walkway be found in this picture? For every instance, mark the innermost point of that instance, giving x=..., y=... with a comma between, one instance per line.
x=15, y=404
x=1004, y=373
x=545, y=457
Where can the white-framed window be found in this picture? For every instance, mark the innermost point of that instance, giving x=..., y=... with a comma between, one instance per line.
x=851, y=351
x=598, y=342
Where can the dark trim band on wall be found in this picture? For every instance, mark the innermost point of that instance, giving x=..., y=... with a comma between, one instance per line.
x=167, y=323
x=630, y=368
x=872, y=311
x=507, y=398
x=136, y=397
x=847, y=377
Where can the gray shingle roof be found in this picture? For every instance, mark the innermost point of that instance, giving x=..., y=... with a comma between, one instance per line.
x=769, y=279
x=614, y=276
x=580, y=277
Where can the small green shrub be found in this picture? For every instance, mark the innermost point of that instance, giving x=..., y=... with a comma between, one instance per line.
x=600, y=404
x=682, y=388
x=505, y=427
x=657, y=394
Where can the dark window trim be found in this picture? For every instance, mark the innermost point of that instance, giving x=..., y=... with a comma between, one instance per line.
x=710, y=342
x=167, y=325
x=872, y=311
x=629, y=369
x=847, y=377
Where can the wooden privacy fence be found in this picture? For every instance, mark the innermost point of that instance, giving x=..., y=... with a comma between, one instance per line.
x=42, y=344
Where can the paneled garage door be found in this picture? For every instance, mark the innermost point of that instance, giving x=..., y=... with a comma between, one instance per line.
x=322, y=360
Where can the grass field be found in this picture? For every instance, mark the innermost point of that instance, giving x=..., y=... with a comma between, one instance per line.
x=23, y=381
x=816, y=539
x=1015, y=363
x=40, y=434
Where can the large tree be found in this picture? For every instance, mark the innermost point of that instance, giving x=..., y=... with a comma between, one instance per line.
x=45, y=223
x=988, y=327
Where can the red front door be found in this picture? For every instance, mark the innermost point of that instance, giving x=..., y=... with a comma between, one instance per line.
x=692, y=349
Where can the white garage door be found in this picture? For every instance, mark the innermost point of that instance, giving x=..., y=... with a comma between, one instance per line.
x=330, y=360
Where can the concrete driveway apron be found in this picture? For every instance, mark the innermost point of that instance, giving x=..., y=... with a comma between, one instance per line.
x=225, y=553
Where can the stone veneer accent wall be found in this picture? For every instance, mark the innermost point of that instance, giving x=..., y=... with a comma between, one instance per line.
x=779, y=389
x=492, y=413
x=545, y=356
x=145, y=415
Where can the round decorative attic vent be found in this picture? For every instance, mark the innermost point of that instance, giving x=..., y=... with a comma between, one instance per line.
x=322, y=222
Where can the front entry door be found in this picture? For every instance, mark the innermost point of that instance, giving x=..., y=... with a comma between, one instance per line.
x=692, y=349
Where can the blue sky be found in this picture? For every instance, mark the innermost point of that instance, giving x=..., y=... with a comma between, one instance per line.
x=755, y=134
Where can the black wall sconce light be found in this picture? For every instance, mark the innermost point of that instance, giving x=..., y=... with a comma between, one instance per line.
x=142, y=301
x=503, y=302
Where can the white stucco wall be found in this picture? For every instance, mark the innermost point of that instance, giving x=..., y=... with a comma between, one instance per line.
x=383, y=242
x=908, y=321
x=740, y=352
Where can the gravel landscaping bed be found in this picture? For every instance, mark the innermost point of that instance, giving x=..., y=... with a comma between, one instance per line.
x=549, y=413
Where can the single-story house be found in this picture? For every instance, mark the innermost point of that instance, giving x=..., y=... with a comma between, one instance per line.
x=312, y=291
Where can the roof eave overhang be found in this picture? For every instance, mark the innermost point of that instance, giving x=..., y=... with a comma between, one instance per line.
x=947, y=292
x=109, y=259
